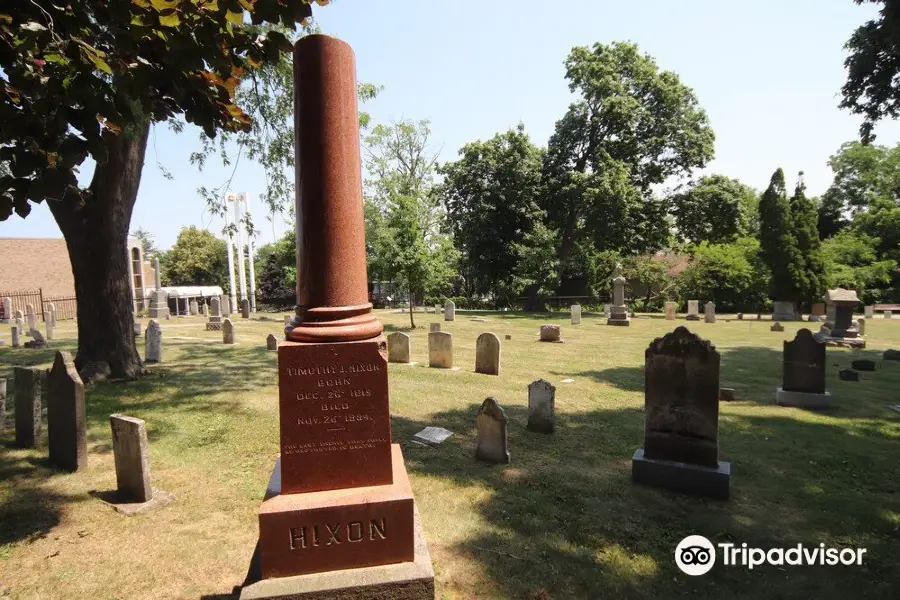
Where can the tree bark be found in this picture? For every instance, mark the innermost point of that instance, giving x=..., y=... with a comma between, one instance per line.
x=96, y=234
x=412, y=322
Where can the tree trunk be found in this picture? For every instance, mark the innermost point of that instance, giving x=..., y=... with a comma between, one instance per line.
x=96, y=234
x=412, y=322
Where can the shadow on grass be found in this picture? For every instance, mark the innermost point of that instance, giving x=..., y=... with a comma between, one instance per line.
x=564, y=516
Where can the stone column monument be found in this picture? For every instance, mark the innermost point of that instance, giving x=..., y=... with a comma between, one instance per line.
x=159, y=300
x=839, y=328
x=338, y=518
x=618, y=312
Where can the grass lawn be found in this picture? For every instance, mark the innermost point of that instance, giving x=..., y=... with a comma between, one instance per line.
x=563, y=518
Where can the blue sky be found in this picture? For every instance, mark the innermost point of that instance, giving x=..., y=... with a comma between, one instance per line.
x=768, y=73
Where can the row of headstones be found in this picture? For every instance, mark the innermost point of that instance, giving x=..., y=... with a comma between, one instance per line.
x=671, y=307
x=29, y=314
x=63, y=391
x=18, y=323
x=440, y=351
x=153, y=339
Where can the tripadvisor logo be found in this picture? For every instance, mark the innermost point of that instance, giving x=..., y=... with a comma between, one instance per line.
x=696, y=555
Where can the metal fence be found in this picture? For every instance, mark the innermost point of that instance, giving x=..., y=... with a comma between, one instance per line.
x=21, y=300
x=66, y=307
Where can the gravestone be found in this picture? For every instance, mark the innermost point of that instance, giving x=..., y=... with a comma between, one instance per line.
x=32, y=318
x=870, y=312
x=891, y=355
x=136, y=329
x=607, y=310
x=693, y=310
x=449, y=311
x=709, y=312
x=227, y=332
x=245, y=308
x=817, y=312
x=51, y=308
x=839, y=327
x=783, y=310
x=14, y=330
x=888, y=314
x=214, y=323
x=487, y=354
x=20, y=321
x=433, y=436
x=434, y=327
x=153, y=343
x=204, y=311
x=440, y=350
x=550, y=333
x=27, y=390
x=803, y=373
x=66, y=432
x=776, y=326
x=541, y=406
x=670, y=311
x=271, y=342
x=491, y=444
x=48, y=324
x=740, y=316
x=194, y=308
x=726, y=394
x=681, y=408
x=863, y=364
x=861, y=325
x=287, y=320
x=159, y=299
x=7, y=311
x=848, y=375
x=338, y=471
x=398, y=347
x=618, y=312
x=437, y=308
x=575, y=314
x=130, y=453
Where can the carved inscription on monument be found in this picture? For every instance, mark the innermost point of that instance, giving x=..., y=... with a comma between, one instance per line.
x=335, y=422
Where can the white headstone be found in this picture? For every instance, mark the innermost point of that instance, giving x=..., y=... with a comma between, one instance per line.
x=450, y=311
x=153, y=343
x=32, y=318
x=15, y=336
x=398, y=347
x=440, y=350
x=48, y=324
x=575, y=314
x=670, y=311
x=487, y=354
x=870, y=311
x=709, y=312
x=7, y=309
x=861, y=325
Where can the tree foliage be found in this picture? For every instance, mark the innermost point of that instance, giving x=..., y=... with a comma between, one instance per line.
x=715, y=209
x=728, y=274
x=811, y=282
x=873, y=68
x=276, y=265
x=778, y=243
x=197, y=258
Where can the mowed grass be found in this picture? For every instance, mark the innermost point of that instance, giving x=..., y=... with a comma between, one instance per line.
x=562, y=519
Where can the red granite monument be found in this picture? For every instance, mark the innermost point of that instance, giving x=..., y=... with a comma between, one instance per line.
x=338, y=518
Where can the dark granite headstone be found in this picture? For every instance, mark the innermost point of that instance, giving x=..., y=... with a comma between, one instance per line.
x=848, y=375
x=491, y=444
x=65, y=415
x=804, y=364
x=863, y=365
x=682, y=399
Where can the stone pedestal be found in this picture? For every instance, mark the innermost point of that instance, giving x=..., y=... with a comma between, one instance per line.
x=802, y=399
x=682, y=477
x=839, y=328
x=618, y=314
x=159, y=305
x=783, y=311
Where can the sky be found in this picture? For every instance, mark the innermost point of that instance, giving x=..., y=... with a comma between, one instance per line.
x=767, y=72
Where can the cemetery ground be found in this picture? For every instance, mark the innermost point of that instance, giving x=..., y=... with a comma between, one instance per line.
x=562, y=518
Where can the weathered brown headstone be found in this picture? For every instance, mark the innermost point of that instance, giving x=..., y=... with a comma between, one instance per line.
x=450, y=310
x=803, y=372
x=398, y=347
x=227, y=332
x=440, y=350
x=776, y=326
x=491, y=443
x=131, y=457
x=681, y=399
x=550, y=333
x=487, y=354
x=153, y=343
x=339, y=497
x=28, y=406
x=271, y=342
x=541, y=406
x=245, y=308
x=66, y=430
x=434, y=327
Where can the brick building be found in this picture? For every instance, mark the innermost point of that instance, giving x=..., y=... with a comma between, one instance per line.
x=31, y=264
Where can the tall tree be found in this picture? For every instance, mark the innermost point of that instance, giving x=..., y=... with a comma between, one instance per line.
x=778, y=244
x=831, y=219
x=148, y=246
x=86, y=79
x=197, y=258
x=873, y=68
x=490, y=195
x=633, y=126
x=864, y=173
x=715, y=209
x=804, y=219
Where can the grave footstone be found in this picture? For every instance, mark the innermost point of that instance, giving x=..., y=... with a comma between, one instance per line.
x=440, y=350
x=487, y=354
x=27, y=389
x=449, y=311
x=550, y=333
x=130, y=453
x=398, y=347
x=776, y=326
x=433, y=436
x=693, y=310
x=153, y=343
x=227, y=332
x=541, y=407
x=271, y=342
x=848, y=375
x=740, y=316
x=491, y=442
x=891, y=355
x=726, y=394
x=66, y=432
x=434, y=327
x=670, y=311
x=575, y=314
x=245, y=308
x=803, y=373
x=863, y=365
x=709, y=312
x=681, y=408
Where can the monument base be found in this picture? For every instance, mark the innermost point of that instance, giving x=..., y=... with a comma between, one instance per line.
x=214, y=327
x=315, y=532
x=828, y=340
x=802, y=399
x=681, y=477
x=816, y=318
x=692, y=318
x=621, y=322
x=403, y=581
x=158, y=313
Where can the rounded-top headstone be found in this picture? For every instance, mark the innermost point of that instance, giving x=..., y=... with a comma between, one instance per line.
x=487, y=354
x=398, y=347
